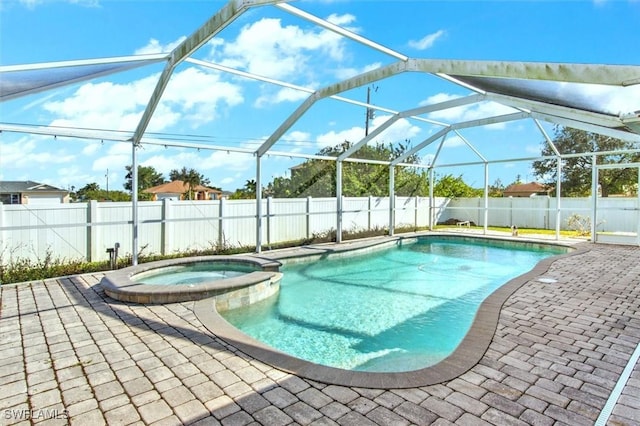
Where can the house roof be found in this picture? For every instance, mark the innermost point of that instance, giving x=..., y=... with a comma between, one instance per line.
x=531, y=187
x=177, y=187
x=19, y=186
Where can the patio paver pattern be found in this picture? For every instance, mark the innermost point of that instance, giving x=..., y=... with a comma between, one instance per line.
x=71, y=355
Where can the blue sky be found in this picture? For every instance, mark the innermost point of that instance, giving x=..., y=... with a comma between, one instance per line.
x=236, y=112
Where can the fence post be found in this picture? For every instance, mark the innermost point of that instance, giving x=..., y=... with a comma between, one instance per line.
x=165, y=232
x=92, y=232
x=221, y=223
x=308, y=215
x=369, y=207
x=2, y=239
x=269, y=210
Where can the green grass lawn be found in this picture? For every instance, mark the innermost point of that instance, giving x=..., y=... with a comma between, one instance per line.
x=521, y=231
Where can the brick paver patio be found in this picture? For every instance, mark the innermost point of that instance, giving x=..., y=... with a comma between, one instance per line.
x=69, y=354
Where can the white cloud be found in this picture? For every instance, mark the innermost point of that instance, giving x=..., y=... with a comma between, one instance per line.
x=285, y=94
x=342, y=20
x=453, y=141
x=610, y=99
x=230, y=161
x=438, y=98
x=165, y=162
x=91, y=148
x=297, y=141
x=269, y=49
x=27, y=152
x=466, y=112
x=204, y=161
x=348, y=72
x=427, y=41
x=154, y=46
x=113, y=162
x=73, y=174
x=31, y=4
x=333, y=138
x=192, y=96
x=299, y=136
x=399, y=131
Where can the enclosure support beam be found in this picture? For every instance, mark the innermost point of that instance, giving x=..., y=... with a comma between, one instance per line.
x=351, y=83
x=558, y=198
x=225, y=16
x=486, y=197
x=431, y=200
x=339, y=201
x=392, y=201
x=134, y=204
x=615, y=75
x=462, y=125
x=258, y=205
x=594, y=196
x=638, y=211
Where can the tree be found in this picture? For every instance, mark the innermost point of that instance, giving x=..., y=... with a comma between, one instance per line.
x=148, y=177
x=191, y=177
x=92, y=191
x=248, y=192
x=497, y=189
x=454, y=187
x=317, y=178
x=576, y=171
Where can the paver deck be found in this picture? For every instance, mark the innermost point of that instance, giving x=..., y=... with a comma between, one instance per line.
x=71, y=355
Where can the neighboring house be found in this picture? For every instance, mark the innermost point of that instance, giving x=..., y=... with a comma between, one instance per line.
x=178, y=190
x=530, y=189
x=29, y=192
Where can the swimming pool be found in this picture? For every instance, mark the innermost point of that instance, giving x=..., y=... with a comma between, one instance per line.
x=394, y=310
x=191, y=274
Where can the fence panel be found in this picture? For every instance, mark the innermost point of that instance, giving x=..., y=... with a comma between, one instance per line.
x=609, y=218
x=191, y=225
x=111, y=223
x=288, y=220
x=60, y=229
x=356, y=215
x=86, y=230
x=322, y=215
x=239, y=225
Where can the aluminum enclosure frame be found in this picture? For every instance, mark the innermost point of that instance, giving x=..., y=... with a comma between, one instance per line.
x=624, y=126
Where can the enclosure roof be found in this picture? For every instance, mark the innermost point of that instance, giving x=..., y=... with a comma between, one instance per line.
x=571, y=95
x=17, y=81
x=557, y=93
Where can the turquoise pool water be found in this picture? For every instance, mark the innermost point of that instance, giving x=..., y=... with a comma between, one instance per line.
x=192, y=274
x=398, y=309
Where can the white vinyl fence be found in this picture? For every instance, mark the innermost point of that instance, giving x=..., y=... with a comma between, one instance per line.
x=613, y=214
x=87, y=230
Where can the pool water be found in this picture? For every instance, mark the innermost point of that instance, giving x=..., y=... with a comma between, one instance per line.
x=399, y=309
x=191, y=274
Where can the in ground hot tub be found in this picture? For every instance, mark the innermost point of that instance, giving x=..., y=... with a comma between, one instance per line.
x=234, y=281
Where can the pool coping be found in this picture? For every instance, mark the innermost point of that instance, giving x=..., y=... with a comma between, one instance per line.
x=467, y=354
x=119, y=285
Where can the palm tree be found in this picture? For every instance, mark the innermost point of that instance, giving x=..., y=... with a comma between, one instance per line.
x=191, y=178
